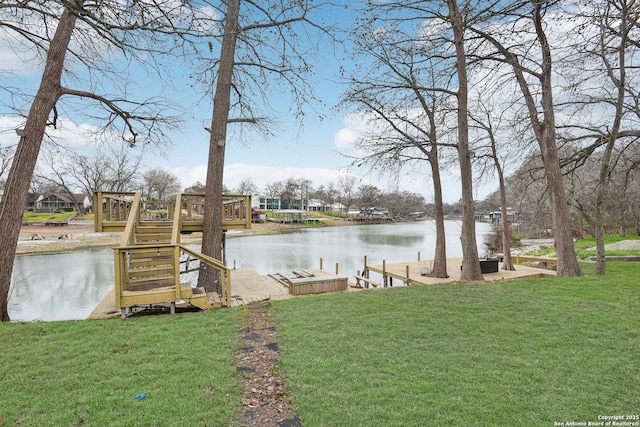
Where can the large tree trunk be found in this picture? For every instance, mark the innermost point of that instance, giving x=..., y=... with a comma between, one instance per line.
x=212, y=235
x=440, y=257
x=545, y=132
x=470, y=265
x=16, y=188
x=563, y=232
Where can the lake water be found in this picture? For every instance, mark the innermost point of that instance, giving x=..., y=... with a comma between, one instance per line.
x=69, y=285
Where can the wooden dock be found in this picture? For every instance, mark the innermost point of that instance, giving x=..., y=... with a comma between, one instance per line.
x=249, y=286
x=403, y=273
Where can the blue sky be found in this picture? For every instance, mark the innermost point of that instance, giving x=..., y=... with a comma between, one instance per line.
x=315, y=151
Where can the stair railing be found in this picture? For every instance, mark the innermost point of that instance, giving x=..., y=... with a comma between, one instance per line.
x=187, y=209
x=187, y=264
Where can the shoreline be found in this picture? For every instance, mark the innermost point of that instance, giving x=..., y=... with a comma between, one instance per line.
x=79, y=235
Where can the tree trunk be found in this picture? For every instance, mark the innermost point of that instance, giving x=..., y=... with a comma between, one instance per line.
x=507, y=263
x=16, y=188
x=440, y=257
x=599, y=233
x=546, y=134
x=212, y=233
x=470, y=265
x=562, y=230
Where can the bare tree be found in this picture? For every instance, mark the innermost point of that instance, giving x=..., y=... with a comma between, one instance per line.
x=484, y=122
x=346, y=185
x=100, y=29
x=402, y=90
x=540, y=106
x=611, y=46
x=196, y=188
x=107, y=169
x=57, y=176
x=303, y=192
x=6, y=154
x=249, y=63
x=272, y=191
x=246, y=186
x=470, y=268
x=369, y=197
x=160, y=184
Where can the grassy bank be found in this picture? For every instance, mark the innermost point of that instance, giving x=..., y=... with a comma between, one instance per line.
x=86, y=372
x=521, y=353
x=527, y=353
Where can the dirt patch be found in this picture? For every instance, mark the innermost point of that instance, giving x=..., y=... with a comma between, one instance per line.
x=41, y=238
x=265, y=400
x=623, y=245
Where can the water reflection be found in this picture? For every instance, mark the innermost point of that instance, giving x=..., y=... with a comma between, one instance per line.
x=346, y=246
x=59, y=286
x=69, y=285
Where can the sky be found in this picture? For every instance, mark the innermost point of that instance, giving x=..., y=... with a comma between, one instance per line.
x=318, y=150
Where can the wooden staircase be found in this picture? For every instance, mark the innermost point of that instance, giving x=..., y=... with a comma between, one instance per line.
x=151, y=266
x=150, y=274
x=153, y=232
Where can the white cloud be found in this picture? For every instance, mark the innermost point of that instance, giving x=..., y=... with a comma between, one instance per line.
x=345, y=138
x=66, y=133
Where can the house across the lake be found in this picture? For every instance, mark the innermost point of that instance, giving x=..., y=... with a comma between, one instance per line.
x=58, y=202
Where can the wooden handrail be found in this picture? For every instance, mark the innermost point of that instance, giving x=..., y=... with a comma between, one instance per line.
x=225, y=272
x=235, y=210
x=128, y=236
x=177, y=221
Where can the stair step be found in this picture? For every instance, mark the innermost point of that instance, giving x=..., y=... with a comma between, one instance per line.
x=151, y=262
x=159, y=280
x=142, y=253
x=150, y=272
x=152, y=223
x=148, y=238
x=154, y=229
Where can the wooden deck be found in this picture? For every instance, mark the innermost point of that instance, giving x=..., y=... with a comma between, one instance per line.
x=396, y=273
x=249, y=286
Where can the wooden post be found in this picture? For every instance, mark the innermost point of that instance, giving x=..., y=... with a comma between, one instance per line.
x=176, y=275
x=384, y=273
x=407, y=274
x=119, y=274
x=336, y=268
x=418, y=256
x=365, y=271
x=97, y=212
x=320, y=263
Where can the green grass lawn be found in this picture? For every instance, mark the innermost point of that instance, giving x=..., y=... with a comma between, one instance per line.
x=521, y=353
x=86, y=372
x=584, y=246
x=30, y=217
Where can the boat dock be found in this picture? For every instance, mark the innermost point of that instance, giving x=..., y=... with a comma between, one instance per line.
x=247, y=285
x=414, y=273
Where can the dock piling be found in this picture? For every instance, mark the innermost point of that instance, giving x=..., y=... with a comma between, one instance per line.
x=384, y=273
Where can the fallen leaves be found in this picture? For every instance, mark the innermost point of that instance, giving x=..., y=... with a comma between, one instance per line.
x=265, y=399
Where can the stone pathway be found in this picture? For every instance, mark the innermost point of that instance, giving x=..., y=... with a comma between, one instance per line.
x=265, y=399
